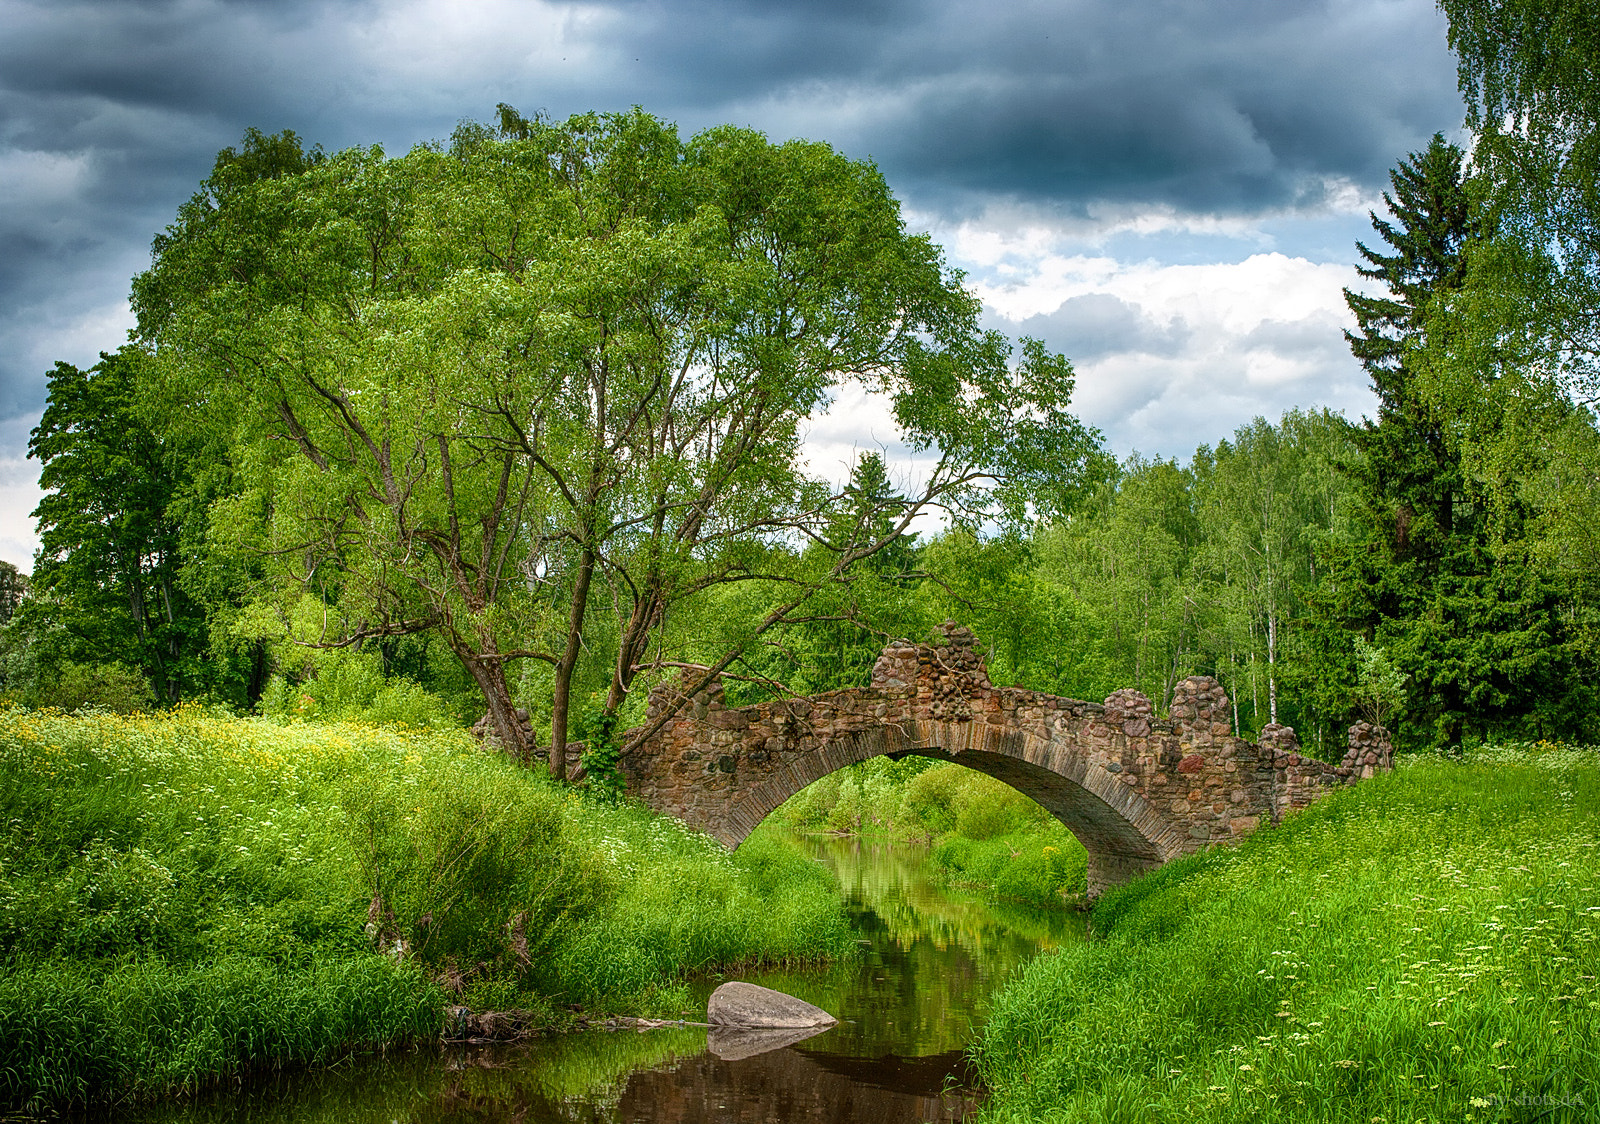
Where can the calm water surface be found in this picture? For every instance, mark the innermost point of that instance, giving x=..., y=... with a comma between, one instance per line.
x=908, y=1008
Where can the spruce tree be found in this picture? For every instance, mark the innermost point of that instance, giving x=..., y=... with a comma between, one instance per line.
x=1410, y=475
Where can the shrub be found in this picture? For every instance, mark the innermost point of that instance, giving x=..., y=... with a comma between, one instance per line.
x=345, y=685
x=1039, y=867
x=103, y=686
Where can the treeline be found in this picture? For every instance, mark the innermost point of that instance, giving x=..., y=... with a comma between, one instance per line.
x=1264, y=562
x=523, y=431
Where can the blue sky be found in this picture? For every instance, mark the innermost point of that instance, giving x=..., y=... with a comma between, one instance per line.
x=1167, y=191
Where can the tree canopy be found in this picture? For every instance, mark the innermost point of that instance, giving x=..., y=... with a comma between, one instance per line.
x=478, y=388
x=1530, y=72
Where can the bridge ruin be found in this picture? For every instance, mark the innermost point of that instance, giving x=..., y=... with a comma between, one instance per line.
x=1137, y=791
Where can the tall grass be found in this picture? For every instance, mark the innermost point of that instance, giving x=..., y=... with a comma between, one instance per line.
x=74, y=1033
x=189, y=895
x=1422, y=946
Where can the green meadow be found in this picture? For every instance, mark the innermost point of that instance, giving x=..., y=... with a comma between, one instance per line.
x=1420, y=947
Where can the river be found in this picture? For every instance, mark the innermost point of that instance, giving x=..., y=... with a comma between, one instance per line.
x=908, y=1007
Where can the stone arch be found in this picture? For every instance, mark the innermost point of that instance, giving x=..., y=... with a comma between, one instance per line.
x=1135, y=789
x=1123, y=834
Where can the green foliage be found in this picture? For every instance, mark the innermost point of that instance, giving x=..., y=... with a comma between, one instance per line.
x=109, y=686
x=109, y=586
x=1528, y=72
x=985, y=833
x=1445, y=565
x=1380, y=688
x=1421, y=946
x=216, y=872
x=13, y=585
x=350, y=686
x=598, y=731
x=1270, y=501
x=1041, y=865
x=79, y=1033
x=561, y=371
x=699, y=908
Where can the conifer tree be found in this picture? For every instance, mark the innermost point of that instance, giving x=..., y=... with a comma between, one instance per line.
x=1410, y=476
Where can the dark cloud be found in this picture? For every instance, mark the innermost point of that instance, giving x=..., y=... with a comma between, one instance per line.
x=1231, y=105
x=111, y=111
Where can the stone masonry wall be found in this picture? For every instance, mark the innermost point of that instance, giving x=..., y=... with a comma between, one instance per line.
x=1136, y=790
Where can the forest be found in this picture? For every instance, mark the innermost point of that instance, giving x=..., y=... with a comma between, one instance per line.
x=386, y=446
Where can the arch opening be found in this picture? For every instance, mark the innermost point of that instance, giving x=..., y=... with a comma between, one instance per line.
x=1123, y=835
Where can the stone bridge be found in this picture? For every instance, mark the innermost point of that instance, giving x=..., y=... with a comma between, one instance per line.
x=1135, y=790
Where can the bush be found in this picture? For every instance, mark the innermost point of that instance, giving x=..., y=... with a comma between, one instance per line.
x=351, y=686
x=102, y=686
x=1039, y=867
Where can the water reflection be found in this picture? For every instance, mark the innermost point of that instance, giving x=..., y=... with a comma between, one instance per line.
x=907, y=1008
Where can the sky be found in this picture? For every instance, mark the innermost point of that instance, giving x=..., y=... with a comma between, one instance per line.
x=1166, y=191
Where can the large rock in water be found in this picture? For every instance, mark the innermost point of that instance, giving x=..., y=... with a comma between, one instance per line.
x=749, y=1005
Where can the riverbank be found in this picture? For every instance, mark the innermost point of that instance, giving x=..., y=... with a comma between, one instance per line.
x=929, y=958
x=189, y=896
x=1422, y=946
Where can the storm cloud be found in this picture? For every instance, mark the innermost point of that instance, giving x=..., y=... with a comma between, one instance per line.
x=1086, y=116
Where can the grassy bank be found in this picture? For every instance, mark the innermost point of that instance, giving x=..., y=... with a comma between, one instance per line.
x=1420, y=947
x=187, y=896
x=984, y=834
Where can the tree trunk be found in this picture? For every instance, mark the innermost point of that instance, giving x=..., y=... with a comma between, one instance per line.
x=635, y=639
x=1272, y=665
x=490, y=676
x=260, y=671
x=561, y=694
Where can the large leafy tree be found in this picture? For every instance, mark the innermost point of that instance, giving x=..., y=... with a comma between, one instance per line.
x=1530, y=71
x=479, y=390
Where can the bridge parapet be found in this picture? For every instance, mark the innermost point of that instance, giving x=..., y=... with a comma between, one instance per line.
x=1136, y=790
